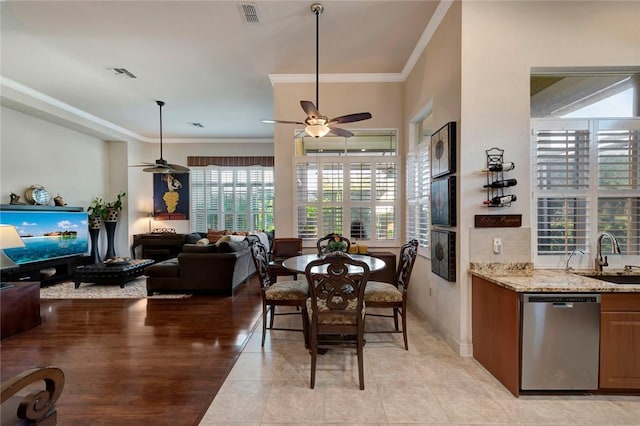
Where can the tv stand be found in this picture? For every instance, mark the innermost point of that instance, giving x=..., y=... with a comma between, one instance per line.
x=47, y=271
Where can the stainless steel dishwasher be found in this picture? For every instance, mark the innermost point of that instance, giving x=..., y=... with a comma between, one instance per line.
x=560, y=341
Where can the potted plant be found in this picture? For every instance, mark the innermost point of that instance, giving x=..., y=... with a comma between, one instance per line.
x=113, y=208
x=97, y=213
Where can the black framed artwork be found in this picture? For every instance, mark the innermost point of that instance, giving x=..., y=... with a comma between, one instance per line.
x=443, y=254
x=443, y=201
x=443, y=150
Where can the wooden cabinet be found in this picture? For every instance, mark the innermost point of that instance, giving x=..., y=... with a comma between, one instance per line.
x=388, y=274
x=495, y=321
x=620, y=341
x=20, y=302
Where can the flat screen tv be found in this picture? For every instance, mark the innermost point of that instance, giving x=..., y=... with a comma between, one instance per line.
x=47, y=234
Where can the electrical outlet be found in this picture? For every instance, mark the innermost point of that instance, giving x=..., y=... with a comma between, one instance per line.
x=497, y=245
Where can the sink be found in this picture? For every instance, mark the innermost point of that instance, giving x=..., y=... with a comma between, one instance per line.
x=617, y=279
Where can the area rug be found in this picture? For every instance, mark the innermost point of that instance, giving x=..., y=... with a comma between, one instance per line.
x=136, y=289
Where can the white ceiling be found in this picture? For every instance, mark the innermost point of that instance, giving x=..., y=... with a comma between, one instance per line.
x=200, y=57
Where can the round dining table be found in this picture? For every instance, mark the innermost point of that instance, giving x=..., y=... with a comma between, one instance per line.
x=299, y=263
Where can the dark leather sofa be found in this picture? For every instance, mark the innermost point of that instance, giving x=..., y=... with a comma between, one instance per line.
x=203, y=269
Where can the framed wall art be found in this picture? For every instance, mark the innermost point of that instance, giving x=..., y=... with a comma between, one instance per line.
x=443, y=150
x=443, y=254
x=171, y=196
x=443, y=201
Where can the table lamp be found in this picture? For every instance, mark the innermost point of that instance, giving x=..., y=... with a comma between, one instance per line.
x=9, y=238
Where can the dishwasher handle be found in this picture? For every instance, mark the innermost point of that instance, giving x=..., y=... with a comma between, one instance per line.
x=560, y=300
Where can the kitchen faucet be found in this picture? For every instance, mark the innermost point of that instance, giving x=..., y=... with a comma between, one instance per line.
x=567, y=267
x=615, y=249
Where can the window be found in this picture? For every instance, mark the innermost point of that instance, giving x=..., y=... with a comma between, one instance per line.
x=418, y=182
x=587, y=181
x=234, y=198
x=346, y=186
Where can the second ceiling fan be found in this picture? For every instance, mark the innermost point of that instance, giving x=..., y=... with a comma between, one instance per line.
x=316, y=124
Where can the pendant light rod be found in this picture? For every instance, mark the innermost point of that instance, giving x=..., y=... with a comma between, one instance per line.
x=160, y=104
x=317, y=8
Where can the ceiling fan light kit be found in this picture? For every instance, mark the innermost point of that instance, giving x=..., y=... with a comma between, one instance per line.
x=316, y=124
x=161, y=165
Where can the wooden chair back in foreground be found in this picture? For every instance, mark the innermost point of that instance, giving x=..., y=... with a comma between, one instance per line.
x=38, y=407
x=335, y=308
x=282, y=249
x=384, y=295
x=324, y=244
x=283, y=293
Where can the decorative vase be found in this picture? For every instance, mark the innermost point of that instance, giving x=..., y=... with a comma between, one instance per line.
x=94, y=232
x=110, y=226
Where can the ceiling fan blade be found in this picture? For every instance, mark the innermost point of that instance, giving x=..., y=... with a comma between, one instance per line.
x=340, y=132
x=158, y=168
x=176, y=168
x=350, y=118
x=282, y=122
x=309, y=108
x=143, y=164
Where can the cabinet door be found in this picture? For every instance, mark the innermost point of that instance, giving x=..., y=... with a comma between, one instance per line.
x=620, y=350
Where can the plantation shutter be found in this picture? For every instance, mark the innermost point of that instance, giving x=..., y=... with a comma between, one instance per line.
x=562, y=184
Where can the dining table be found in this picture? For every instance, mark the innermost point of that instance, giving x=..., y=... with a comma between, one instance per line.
x=299, y=263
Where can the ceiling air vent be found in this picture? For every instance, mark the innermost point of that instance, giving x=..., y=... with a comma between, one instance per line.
x=249, y=13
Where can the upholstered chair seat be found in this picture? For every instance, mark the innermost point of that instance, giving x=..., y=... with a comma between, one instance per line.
x=287, y=290
x=334, y=318
x=377, y=291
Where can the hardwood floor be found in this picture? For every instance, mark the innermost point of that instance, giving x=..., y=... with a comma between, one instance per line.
x=137, y=361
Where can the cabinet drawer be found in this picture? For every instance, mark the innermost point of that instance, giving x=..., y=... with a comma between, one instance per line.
x=620, y=302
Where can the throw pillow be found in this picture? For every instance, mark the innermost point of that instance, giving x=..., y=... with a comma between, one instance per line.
x=223, y=239
x=214, y=235
x=192, y=238
x=237, y=238
x=202, y=242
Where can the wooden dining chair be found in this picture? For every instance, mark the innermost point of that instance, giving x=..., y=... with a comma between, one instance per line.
x=274, y=294
x=282, y=249
x=335, y=309
x=394, y=296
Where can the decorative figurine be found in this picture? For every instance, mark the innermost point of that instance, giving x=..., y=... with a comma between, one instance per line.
x=15, y=199
x=59, y=201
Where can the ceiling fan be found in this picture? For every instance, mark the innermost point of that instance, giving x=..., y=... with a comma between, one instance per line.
x=161, y=165
x=318, y=125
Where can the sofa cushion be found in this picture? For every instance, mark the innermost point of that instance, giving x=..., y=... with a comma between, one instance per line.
x=166, y=268
x=195, y=248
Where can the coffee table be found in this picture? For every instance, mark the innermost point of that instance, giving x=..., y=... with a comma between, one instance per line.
x=101, y=273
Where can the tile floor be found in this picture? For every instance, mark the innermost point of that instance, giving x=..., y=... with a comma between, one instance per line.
x=429, y=384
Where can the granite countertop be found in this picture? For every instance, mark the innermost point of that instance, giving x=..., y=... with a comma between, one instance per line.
x=521, y=277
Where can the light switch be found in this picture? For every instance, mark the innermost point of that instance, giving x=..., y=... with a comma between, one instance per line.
x=497, y=245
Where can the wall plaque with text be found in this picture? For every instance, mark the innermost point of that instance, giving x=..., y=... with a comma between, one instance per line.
x=498, y=220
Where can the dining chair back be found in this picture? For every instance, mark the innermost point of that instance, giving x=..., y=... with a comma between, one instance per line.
x=335, y=308
x=394, y=296
x=277, y=293
x=323, y=243
x=282, y=249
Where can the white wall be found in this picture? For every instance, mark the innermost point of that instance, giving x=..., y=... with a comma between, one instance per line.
x=436, y=79
x=501, y=43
